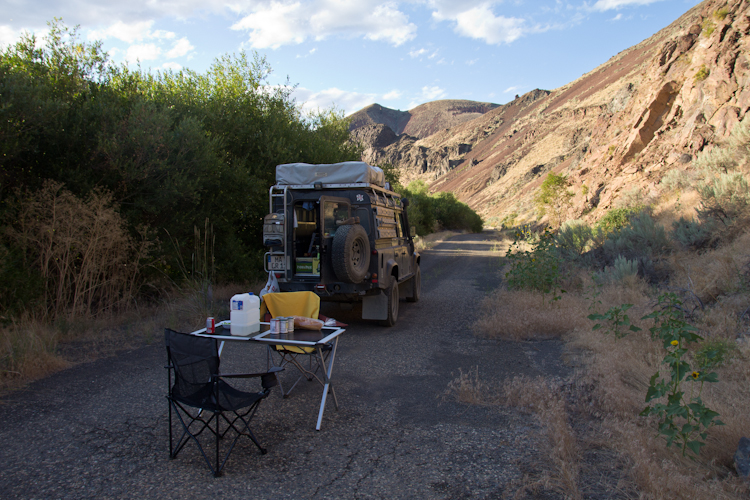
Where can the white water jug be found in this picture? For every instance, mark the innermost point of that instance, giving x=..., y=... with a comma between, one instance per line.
x=244, y=315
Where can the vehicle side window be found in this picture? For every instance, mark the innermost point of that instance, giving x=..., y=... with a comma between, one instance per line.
x=333, y=212
x=364, y=217
x=399, y=225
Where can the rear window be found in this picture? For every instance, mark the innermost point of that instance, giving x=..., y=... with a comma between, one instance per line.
x=333, y=212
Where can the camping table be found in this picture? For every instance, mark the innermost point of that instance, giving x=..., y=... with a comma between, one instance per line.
x=316, y=339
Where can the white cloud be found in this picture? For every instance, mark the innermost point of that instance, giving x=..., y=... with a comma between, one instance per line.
x=142, y=52
x=325, y=99
x=97, y=13
x=181, y=48
x=481, y=23
x=617, y=17
x=8, y=35
x=417, y=53
x=428, y=94
x=171, y=66
x=602, y=5
x=393, y=94
x=276, y=23
x=512, y=89
x=127, y=32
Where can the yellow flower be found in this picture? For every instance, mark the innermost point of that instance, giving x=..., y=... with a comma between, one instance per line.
x=675, y=342
x=696, y=375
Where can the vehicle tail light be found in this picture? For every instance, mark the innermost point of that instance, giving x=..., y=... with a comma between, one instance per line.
x=374, y=252
x=374, y=277
x=279, y=275
x=320, y=287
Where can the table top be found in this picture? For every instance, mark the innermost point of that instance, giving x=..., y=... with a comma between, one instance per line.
x=300, y=337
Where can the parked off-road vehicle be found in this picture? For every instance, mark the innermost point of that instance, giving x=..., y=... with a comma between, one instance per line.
x=338, y=230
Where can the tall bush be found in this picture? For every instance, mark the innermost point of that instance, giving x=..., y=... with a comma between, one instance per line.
x=431, y=212
x=87, y=260
x=554, y=198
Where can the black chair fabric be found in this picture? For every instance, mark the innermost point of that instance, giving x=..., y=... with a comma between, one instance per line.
x=199, y=396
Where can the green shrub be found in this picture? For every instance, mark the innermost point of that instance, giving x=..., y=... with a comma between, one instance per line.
x=618, y=271
x=708, y=28
x=429, y=213
x=724, y=197
x=624, y=268
x=640, y=239
x=453, y=214
x=691, y=233
x=509, y=221
x=23, y=286
x=537, y=269
x=616, y=219
x=554, y=197
x=675, y=180
x=701, y=74
x=574, y=238
x=715, y=353
x=721, y=13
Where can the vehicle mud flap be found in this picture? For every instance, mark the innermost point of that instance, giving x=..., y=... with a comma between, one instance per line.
x=375, y=306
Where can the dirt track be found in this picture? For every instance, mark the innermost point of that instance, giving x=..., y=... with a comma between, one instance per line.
x=99, y=430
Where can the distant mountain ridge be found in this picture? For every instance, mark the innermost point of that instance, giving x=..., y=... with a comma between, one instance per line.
x=422, y=121
x=615, y=132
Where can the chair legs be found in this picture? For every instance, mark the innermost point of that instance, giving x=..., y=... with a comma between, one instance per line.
x=309, y=372
x=238, y=422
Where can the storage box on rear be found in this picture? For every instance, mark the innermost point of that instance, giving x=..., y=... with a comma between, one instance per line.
x=309, y=266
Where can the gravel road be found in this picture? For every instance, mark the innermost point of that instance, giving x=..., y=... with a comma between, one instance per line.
x=99, y=430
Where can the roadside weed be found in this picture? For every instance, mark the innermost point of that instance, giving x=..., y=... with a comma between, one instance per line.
x=615, y=321
x=536, y=269
x=683, y=419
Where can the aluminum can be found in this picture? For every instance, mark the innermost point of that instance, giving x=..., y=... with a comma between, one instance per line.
x=274, y=325
x=290, y=324
x=210, y=325
x=283, y=325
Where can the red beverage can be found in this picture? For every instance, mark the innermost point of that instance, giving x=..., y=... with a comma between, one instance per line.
x=210, y=325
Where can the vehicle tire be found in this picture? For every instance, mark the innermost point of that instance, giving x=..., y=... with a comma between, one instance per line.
x=392, y=293
x=350, y=253
x=415, y=287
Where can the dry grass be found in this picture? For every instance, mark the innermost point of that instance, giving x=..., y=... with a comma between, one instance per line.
x=31, y=349
x=501, y=318
x=469, y=388
x=538, y=397
x=714, y=273
x=429, y=241
x=547, y=403
x=613, y=375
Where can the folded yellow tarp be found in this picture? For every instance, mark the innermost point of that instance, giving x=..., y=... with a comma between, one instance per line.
x=305, y=304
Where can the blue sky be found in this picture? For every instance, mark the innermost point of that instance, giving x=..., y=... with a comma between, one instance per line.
x=351, y=53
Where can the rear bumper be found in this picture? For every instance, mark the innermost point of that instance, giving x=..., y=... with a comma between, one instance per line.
x=334, y=292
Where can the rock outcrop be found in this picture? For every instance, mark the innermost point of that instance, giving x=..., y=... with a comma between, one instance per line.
x=618, y=128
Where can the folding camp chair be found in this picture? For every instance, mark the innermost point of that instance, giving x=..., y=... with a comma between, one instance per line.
x=199, y=396
x=308, y=360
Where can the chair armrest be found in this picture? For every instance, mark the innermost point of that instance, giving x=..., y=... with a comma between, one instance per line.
x=267, y=379
x=250, y=375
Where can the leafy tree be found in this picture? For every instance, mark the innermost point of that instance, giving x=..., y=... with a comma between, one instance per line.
x=174, y=148
x=554, y=198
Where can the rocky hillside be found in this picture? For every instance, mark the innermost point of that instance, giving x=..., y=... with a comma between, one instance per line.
x=422, y=121
x=616, y=131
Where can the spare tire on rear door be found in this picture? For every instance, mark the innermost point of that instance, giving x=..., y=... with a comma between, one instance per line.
x=350, y=254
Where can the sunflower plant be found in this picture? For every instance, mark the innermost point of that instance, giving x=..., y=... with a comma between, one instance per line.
x=534, y=264
x=683, y=418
